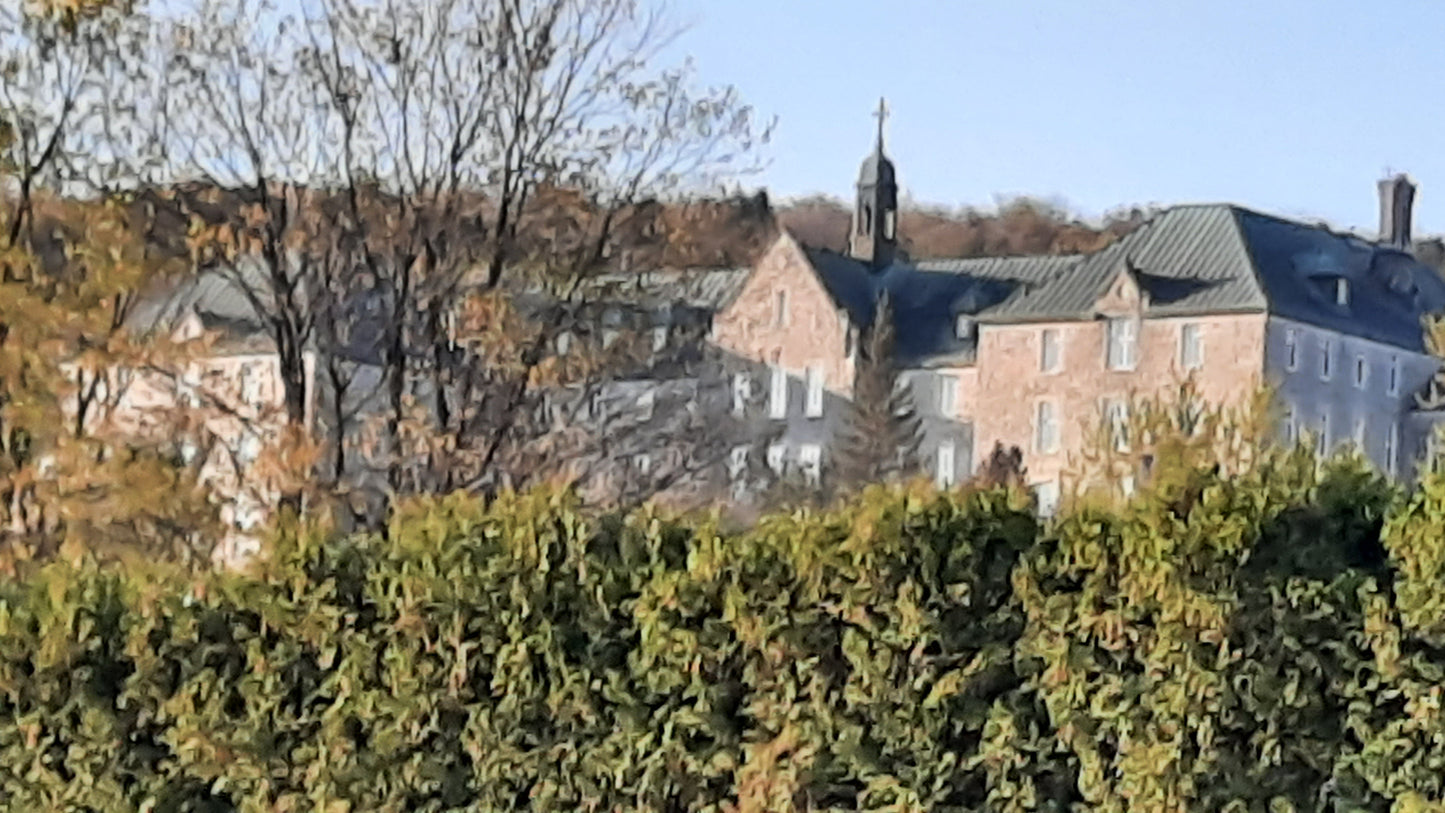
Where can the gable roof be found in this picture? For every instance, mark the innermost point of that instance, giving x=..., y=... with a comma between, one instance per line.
x=1189, y=260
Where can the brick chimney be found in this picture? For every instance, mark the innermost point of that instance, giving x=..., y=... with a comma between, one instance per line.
x=1397, y=202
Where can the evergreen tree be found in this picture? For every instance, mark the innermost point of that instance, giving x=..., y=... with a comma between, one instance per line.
x=880, y=440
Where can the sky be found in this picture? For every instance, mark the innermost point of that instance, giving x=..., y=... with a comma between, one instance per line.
x=1292, y=107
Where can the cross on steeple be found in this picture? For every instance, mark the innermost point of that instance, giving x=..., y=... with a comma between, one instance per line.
x=882, y=116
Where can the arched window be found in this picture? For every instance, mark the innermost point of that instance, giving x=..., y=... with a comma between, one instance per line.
x=865, y=223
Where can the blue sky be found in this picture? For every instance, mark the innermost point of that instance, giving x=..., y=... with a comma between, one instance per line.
x=1288, y=106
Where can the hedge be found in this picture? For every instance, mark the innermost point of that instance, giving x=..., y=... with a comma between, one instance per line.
x=1269, y=642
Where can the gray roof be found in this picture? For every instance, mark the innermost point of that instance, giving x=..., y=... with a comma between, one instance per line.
x=705, y=288
x=1198, y=259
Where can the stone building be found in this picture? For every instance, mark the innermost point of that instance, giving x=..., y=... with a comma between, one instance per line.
x=1035, y=352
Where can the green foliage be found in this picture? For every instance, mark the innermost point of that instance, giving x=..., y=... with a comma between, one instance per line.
x=1262, y=640
x=880, y=440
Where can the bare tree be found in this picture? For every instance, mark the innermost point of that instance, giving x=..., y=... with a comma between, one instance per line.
x=516, y=98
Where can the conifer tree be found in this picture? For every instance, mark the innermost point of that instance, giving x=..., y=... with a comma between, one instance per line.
x=880, y=440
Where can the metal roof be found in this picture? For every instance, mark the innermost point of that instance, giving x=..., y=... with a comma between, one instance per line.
x=1190, y=260
x=705, y=288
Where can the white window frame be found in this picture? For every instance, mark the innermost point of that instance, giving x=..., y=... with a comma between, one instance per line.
x=813, y=407
x=777, y=457
x=963, y=326
x=810, y=461
x=946, y=471
x=251, y=374
x=564, y=343
x=1116, y=417
x=948, y=395
x=738, y=461
x=646, y=403
x=1121, y=333
x=1291, y=347
x=1046, y=495
x=1046, y=427
x=1342, y=291
x=1191, y=346
x=1050, y=351
x=778, y=394
x=1327, y=366
x=742, y=392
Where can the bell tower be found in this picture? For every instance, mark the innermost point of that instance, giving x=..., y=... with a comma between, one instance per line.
x=874, y=236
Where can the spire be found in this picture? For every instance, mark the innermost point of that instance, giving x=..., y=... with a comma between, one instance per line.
x=874, y=237
x=882, y=116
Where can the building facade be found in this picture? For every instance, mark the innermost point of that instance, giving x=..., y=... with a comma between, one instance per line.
x=1039, y=352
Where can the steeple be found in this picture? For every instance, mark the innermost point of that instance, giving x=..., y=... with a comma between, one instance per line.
x=874, y=237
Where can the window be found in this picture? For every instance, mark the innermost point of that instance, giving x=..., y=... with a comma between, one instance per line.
x=814, y=406
x=1394, y=388
x=608, y=337
x=890, y=224
x=1361, y=371
x=1126, y=485
x=1049, y=350
x=810, y=459
x=564, y=343
x=778, y=394
x=251, y=383
x=947, y=395
x=1116, y=412
x=737, y=462
x=1359, y=435
x=1046, y=497
x=1326, y=359
x=1123, y=343
x=1289, y=426
x=777, y=455
x=944, y=476
x=1291, y=348
x=963, y=327
x=643, y=464
x=742, y=392
x=249, y=449
x=1322, y=443
x=645, y=403
x=865, y=225
x=659, y=338
x=1392, y=445
x=1046, y=428
x=1342, y=291
x=780, y=310
x=1191, y=347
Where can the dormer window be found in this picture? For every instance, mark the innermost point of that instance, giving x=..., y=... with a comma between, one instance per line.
x=1342, y=291
x=963, y=327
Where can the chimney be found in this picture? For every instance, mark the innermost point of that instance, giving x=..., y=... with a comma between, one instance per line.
x=1397, y=201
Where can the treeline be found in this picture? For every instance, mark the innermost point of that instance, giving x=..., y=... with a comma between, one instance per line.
x=1269, y=641
x=1020, y=226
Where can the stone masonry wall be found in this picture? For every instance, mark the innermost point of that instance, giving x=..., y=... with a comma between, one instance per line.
x=812, y=332
x=1010, y=383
